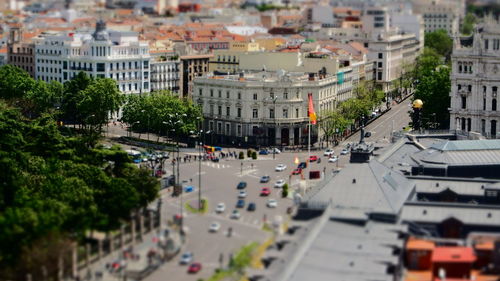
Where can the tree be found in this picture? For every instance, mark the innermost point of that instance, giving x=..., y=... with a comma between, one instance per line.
x=440, y=41
x=434, y=89
x=72, y=95
x=333, y=123
x=468, y=24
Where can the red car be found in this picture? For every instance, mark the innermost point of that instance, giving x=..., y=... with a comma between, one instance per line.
x=194, y=267
x=297, y=171
x=265, y=191
x=313, y=158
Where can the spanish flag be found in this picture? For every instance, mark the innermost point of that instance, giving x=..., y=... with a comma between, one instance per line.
x=310, y=110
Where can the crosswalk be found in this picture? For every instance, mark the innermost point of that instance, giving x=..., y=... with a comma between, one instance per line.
x=216, y=165
x=243, y=220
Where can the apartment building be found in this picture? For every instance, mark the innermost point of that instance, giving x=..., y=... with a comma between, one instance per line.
x=20, y=53
x=165, y=72
x=440, y=14
x=105, y=54
x=192, y=66
x=475, y=82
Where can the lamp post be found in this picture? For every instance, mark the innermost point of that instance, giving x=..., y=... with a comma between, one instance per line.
x=199, y=133
x=131, y=127
x=417, y=108
x=147, y=125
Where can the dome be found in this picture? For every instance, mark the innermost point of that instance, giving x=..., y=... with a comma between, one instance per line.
x=417, y=103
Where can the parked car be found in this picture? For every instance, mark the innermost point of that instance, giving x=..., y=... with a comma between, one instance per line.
x=241, y=185
x=251, y=207
x=272, y=203
x=368, y=134
x=214, y=227
x=297, y=171
x=240, y=203
x=344, y=151
x=186, y=258
x=265, y=191
x=235, y=214
x=280, y=167
x=328, y=152
x=221, y=207
x=333, y=159
x=302, y=165
x=275, y=151
x=263, y=152
x=194, y=267
x=313, y=158
x=279, y=183
x=242, y=194
x=264, y=179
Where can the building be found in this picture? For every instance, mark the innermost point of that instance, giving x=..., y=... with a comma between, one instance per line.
x=227, y=61
x=103, y=54
x=270, y=107
x=475, y=82
x=19, y=52
x=165, y=69
x=440, y=14
x=192, y=66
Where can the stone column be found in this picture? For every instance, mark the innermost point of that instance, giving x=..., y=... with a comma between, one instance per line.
x=74, y=259
x=132, y=225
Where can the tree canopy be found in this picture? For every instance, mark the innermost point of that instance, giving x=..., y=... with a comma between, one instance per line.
x=440, y=41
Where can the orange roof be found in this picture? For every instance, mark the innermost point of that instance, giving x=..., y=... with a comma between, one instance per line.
x=124, y=12
x=419, y=244
x=485, y=246
x=358, y=46
x=3, y=50
x=453, y=255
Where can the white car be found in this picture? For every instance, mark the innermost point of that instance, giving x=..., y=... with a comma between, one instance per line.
x=279, y=183
x=328, y=152
x=235, y=214
x=344, y=151
x=280, y=167
x=242, y=194
x=221, y=207
x=272, y=203
x=333, y=159
x=214, y=227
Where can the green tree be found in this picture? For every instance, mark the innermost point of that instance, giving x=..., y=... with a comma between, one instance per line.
x=440, y=41
x=468, y=24
x=72, y=95
x=333, y=123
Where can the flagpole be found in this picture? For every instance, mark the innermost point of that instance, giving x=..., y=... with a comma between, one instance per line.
x=308, y=155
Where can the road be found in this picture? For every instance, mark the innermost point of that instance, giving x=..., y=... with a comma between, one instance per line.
x=218, y=184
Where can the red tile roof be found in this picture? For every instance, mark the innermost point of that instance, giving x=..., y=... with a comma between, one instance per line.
x=453, y=255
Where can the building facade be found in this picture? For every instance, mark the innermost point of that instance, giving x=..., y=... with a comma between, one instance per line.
x=267, y=108
x=475, y=82
x=440, y=14
x=19, y=53
x=103, y=54
x=192, y=66
x=165, y=73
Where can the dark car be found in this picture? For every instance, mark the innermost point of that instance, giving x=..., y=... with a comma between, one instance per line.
x=242, y=185
x=368, y=134
x=251, y=207
x=264, y=179
x=264, y=152
x=240, y=203
x=302, y=165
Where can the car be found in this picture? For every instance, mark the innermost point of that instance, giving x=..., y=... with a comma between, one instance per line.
x=264, y=179
x=265, y=191
x=280, y=167
x=214, y=227
x=235, y=214
x=240, y=203
x=241, y=185
x=186, y=258
x=242, y=194
x=263, y=152
x=275, y=151
x=279, y=183
x=333, y=159
x=302, y=165
x=368, y=134
x=313, y=158
x=344, y=151
x=272, y=203
x=221, y=207
x=251, y=207
x=328, y=152
x=297, y=171
x=194, y=267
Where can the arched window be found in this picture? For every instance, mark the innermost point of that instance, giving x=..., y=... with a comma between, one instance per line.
x=494, y=104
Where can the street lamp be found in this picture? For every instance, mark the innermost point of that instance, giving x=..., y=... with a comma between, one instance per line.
x=147, y=125
x=132, y=125
x=198, y=133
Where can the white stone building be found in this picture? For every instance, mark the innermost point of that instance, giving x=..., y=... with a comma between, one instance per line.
x=106, y=54
x=475, y=80
x=270, y=108
x=440, y=14
x=165, y=72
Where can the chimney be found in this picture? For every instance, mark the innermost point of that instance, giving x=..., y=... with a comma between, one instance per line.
x=242, y=76
x=312, y=77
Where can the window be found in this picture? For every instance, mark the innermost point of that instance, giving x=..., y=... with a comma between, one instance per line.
x=297, y=95
x=486, y=44
x=494, y=90
x=379, y=64
x=200, y=91
x=484, y=104
x=271, y=95
x=212, y=109
x=255, y=113
x=220, y=93
x=239, y=95
x=459, y=87
x=484, y=89
x=459, y=67
x=379, y=75
x=219, y=127
x=239, y=130
x=296, y=113
x=483, y=126
x=464, y=102
x=219, y=110
x=285, y=112
x=211, y=125
x=239, y=112
x=211, y=92
x=228, y=111
x=494, y=104
x=146, y=65
x=228, y=129
x=469, y=88
x=285, y=95
x=227, y=94
x=255, y=96
x=271, y=113
x=380, y=55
